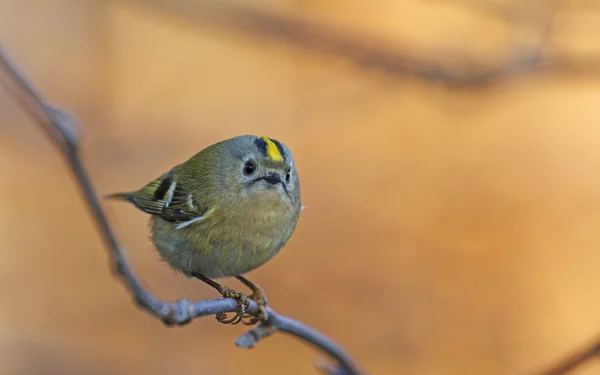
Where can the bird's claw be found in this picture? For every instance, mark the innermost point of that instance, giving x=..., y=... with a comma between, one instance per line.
x=243, y=304
x=261, y=316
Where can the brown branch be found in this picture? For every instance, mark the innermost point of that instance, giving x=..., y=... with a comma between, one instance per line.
x=364, y=51
x=373, y=53
x=64, y=131
x=575, y=360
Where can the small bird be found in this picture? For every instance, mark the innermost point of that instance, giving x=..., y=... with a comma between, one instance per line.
x=224, y=212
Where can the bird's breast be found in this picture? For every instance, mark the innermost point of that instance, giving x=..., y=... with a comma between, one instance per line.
x=242, y=239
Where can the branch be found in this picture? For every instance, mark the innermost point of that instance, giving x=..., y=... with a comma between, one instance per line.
x=65, y=132
x=376, y=53
x=575, y=360
x=365, y=52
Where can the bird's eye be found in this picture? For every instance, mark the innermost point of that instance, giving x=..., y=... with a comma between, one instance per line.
x=249, y=168
x=288, y=176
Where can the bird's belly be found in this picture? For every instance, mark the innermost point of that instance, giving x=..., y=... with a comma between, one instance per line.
x=215, y=253
x=222, y=258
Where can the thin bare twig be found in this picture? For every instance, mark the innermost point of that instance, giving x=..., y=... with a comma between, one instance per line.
x=64, y=131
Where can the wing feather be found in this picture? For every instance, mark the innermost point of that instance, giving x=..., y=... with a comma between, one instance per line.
x=167, y=198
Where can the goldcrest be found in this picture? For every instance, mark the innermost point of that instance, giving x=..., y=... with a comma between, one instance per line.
x=224, y=212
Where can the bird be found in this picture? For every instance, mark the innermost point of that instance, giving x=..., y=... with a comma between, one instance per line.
x=224, y=212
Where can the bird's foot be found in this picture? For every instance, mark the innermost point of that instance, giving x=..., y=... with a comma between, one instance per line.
x=258, y=295
x=243, y=304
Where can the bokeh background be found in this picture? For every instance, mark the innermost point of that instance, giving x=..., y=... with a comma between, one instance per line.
x=449, y=153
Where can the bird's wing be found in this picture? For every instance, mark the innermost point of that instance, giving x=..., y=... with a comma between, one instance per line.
x=167, y=198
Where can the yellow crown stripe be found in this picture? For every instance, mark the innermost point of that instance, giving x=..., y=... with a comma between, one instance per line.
x=272, y=150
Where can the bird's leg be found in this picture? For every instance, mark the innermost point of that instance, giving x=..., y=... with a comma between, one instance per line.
x=243, y=302
x=259, y=296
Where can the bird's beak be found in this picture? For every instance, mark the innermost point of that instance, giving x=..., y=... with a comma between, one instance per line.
x=273, y=178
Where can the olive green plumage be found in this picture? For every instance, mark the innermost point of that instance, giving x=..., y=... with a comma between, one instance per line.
x=225, y=211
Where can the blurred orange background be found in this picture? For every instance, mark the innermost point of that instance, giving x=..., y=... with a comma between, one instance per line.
x=448, y=230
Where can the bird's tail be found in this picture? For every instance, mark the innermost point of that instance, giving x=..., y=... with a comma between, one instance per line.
x=118, y=196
